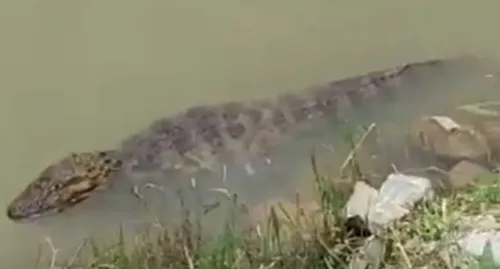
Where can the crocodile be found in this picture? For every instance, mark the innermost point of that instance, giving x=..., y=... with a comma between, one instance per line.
x=202, y=136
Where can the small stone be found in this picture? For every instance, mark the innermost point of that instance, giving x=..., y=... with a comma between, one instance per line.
x=446, y=123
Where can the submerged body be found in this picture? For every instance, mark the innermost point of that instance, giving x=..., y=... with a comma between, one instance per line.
x=202, y=137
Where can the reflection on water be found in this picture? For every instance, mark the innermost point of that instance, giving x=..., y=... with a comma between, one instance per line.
x=79, y=75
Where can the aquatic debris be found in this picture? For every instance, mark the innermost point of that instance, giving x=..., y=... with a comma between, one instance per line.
x=448, y=124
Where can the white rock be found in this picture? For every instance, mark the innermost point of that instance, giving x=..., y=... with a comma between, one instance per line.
x=362, y=200
x=397, y=196
x=475, y=242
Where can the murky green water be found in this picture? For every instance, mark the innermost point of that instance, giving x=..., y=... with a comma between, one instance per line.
x=78, y=75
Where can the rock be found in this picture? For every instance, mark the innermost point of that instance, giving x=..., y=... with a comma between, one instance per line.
x=395, y=198
x=362, y=200
x=464, y=173
x=475, y=243
x=480, y=232
x=447, y=139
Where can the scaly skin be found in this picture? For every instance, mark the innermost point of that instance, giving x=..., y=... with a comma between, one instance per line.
x=64, y=184
x=203, y=136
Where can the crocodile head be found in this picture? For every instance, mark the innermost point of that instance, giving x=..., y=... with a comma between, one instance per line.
x=64, y=184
